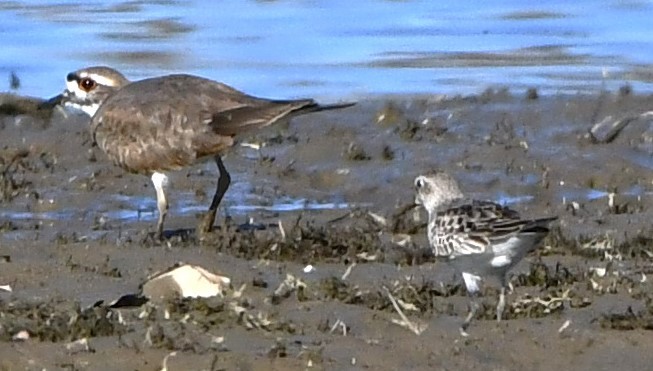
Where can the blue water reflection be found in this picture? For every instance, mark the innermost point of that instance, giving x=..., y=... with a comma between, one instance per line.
x=336, y=49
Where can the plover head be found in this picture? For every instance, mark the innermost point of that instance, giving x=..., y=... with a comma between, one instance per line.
x=88, y=88
x=435, y=190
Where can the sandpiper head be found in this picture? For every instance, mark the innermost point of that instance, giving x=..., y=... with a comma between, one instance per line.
x=436, y=189
x=88, y=88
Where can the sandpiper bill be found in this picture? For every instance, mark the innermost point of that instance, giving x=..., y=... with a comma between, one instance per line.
x=479, y=238
x=165, y=123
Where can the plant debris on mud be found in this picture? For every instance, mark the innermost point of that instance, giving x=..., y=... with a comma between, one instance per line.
x=318, y=286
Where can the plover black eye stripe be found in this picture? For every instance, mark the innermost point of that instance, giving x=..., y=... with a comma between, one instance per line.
x=118, y=106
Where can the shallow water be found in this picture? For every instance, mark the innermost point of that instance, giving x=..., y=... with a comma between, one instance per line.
x=118, y=207
x=336, y=49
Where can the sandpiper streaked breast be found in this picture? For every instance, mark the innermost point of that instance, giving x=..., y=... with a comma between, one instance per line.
x=480, y=238
x=165, y=123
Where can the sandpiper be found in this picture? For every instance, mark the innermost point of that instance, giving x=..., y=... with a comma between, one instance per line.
x=479, y=238
x=165, y=123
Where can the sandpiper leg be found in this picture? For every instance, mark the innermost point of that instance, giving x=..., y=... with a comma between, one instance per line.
x=160, y=181
x=473, y=307
x=472, y=284
x=223, y=184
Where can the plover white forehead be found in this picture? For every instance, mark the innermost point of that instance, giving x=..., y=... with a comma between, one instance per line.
x=480, y=238
x=165, y=123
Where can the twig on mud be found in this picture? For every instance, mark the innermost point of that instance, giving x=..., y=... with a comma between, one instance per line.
x=564, y=326
x=282, y=231
x=401, y=240
x=290, y=284
x=348, y=271
x=340, y=218
x=366, y=256
x=164, y=366
x=378, y=219
x=340, y=324
x=237, y=294
x=550, y=304
x=148, y=337
x=78, y=346
x=252, y=145
x=599, y=243
x=299, y=219
x=404, y=322
x=259, y=321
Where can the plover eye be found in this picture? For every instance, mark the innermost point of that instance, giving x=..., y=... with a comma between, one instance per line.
x=87, y=84
x=419, y=183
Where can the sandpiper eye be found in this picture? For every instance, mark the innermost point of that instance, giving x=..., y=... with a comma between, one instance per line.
x=86, y=84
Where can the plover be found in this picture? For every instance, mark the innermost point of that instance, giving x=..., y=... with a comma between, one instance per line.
x=479, y=238
x=165, y=123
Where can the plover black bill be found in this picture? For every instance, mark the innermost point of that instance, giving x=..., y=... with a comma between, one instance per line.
x=165, y=123
x=479, y=238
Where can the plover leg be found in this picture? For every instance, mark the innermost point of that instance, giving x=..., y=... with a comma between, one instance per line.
x=206, y=225
x=501, y=305
x=160, y=182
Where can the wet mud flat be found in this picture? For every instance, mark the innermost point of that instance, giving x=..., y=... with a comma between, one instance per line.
x=333, y=190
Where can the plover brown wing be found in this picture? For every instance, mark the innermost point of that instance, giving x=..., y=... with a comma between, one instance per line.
x=480, y=238
x=166, y=123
